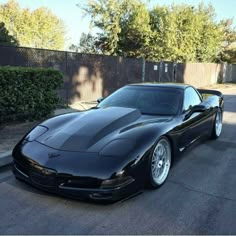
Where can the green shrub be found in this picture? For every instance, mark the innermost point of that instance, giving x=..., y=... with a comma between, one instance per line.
x=28, y=93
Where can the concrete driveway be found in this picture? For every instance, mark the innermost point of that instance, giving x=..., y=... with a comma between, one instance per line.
x=199, y=197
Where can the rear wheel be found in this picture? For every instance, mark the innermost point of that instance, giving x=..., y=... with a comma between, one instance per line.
x=159, y=163
x=217, y=128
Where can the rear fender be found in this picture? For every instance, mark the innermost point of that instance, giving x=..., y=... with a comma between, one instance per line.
x=213, y=97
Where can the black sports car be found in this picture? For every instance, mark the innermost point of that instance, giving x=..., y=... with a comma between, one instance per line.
x=112, y=150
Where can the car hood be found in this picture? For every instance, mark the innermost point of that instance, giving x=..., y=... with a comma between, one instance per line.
x=93, y=129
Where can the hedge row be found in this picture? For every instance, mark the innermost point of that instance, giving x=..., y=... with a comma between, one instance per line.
x=28, y=93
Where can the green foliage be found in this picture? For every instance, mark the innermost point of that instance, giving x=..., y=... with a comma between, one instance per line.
x=39, y=28
x=106, y=15
x=121, y=26
x=88, y=44
x=228, y=53
x=5, y=38
x=181, y=33
x=134, y=36
x=185, y=33
x=28, y=93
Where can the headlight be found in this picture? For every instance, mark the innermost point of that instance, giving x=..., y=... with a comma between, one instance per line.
x=116, y=182
x=118, y=147
x=35, y=133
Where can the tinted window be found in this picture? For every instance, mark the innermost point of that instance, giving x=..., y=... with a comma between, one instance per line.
x=149, y=100
x=191, y=98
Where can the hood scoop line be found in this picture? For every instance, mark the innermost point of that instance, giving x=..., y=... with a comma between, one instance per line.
x=89, y=127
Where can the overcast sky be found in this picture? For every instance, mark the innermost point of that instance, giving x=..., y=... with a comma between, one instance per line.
x=76, y=23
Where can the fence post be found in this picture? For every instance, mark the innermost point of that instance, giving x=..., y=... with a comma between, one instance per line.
x=67, y=80
x=174, y=72
x=143, y=70
x=160, y=71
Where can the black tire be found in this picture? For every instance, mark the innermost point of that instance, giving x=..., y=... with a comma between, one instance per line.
x=155, y=180
x=217, y=127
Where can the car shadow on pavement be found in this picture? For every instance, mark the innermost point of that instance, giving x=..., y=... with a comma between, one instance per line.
x=229, y=102
x=184, y=154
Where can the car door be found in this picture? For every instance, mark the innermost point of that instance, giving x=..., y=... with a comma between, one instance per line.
x=193, y=124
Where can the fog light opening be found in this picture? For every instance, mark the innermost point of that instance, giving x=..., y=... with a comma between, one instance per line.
x=116, y=182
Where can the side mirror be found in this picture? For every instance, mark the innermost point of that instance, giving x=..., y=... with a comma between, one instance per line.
x=100, y=99
x=199, y=108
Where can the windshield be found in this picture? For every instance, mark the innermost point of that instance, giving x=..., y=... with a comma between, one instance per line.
x=149, y=100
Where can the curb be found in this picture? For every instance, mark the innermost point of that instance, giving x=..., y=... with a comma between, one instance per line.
x=5, y=158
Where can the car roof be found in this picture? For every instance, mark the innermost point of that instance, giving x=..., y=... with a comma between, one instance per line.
x=164, y=85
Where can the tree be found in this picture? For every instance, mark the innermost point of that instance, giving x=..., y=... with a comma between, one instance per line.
x=88, y=44
x=135, y=30
x=228, y=52
x=175, y=33
x=185, y=33
x=48, y=30
x=114, y=18
x=105, y=15
x=39, y=28
x=5, y=38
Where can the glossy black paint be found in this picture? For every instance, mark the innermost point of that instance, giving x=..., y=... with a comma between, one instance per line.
x=102, y=154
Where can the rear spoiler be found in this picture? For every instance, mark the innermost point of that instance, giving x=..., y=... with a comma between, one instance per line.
x=212, y=92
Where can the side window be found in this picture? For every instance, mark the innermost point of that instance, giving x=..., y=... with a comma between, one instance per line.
x=191, y=98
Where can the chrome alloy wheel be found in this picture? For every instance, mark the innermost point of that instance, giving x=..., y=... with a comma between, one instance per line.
x=161, y=161
x=218, y=123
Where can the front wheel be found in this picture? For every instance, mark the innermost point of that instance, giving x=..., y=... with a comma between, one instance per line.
x=217, y=128
x=159, y=163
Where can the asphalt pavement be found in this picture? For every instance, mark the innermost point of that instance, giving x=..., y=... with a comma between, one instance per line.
x=199, y=197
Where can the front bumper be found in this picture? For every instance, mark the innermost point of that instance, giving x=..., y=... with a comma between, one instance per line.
x=49, y=181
